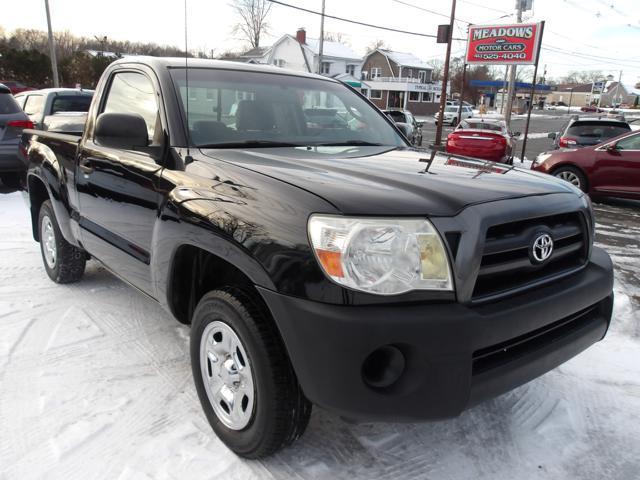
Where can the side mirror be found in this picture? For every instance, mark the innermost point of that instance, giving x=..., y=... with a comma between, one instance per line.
x=420, y=124
x=612, y=148
x=515, y=134
x=552, y=135
x=121, y=130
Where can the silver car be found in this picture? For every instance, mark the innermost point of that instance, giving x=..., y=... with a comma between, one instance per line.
x=12, y=121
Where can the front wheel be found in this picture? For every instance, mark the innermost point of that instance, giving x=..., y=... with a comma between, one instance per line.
x=573, y=176
x=63, y=262
x=243, y=376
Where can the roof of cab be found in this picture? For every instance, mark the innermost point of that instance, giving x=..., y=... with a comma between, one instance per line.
x=158, y=63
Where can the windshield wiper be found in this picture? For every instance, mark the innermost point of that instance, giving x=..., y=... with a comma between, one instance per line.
x=250, y=144
x=346, y=143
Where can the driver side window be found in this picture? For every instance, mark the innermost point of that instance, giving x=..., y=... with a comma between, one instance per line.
x=629, y=143
x=133, y=92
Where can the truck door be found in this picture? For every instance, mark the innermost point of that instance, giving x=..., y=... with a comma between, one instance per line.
x=117, y=189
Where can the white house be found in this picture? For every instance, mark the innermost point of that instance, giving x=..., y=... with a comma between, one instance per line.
x=302, y=54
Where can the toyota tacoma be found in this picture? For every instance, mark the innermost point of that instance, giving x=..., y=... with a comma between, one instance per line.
x=317, y=256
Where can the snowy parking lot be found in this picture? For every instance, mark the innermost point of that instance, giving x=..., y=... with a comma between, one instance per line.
x=95, y=383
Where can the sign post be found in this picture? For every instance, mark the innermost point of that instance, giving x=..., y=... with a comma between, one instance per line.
x=533, y=90
x=516, y=44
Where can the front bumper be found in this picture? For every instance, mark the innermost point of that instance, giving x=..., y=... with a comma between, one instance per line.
x=455, y=355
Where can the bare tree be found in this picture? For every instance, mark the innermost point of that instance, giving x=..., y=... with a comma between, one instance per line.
x=437, y=66
x=336, y=37
x=252, y=21
x=375, y=45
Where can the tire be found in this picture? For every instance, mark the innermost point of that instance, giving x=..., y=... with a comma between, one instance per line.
x=454, y=122
x=420, y=141
x=278, y=412
x=63, y=262
x=573, y=176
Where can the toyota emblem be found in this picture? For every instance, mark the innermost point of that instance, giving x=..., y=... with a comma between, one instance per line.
x=542, y=248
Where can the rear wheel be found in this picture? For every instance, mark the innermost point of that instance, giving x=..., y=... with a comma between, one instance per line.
x=63, y=262
x=243, y=376
x=454, y=122
x=573, y=176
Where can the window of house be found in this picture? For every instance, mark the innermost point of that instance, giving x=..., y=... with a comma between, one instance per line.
x=376, y=94
x=351, y=69
x=414, y=96
x=364, y=75
x=278, y=62
x=132, y=92
x=422, y=75
x=364, y=92
x=376, y=72
x=426, y=97
x=326, y=67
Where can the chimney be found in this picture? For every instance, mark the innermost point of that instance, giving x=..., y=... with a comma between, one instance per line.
x=301, y=35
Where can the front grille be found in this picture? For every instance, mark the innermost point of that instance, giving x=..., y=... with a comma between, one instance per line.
x=506, y=265
x=501, y=354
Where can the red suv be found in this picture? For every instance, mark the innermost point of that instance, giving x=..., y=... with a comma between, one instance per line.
x=609, y=169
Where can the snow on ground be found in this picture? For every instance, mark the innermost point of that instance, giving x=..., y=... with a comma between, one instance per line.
x=95, y=383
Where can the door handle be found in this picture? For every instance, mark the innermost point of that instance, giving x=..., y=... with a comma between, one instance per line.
x=85, y=166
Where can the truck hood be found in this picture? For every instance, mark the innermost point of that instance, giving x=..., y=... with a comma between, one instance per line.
x=383, y=181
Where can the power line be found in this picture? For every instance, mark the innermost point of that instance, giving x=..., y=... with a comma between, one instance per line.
x=379, y=27
x=430, y=11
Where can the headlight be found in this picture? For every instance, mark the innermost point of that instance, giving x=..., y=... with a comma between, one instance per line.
x=540, y=159
x=382, y=256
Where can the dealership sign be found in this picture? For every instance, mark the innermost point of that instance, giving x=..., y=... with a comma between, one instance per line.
x=503, y=44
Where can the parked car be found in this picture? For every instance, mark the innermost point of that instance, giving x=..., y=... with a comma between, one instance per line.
x=451, y=114
x=413, y=129
x=12, y=122
x=611, y=168
x=39, y=105
x=591, y=108
x=326, y=263
x=586, y=131
x=482, y=138
x=15, y=87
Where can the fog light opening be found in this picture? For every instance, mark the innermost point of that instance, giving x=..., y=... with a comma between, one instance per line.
x=383, y=367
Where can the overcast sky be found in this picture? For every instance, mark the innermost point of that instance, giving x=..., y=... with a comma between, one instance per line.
x=592, y=34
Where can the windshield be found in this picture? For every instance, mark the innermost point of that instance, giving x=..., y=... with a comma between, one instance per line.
x=7, y=104
x=235, y=108
x=482, y=126
x=71, y=103
x=597, y=130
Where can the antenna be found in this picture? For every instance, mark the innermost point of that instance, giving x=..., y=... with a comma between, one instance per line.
x=188, y=158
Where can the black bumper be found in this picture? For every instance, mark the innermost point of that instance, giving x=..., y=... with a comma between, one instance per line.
x=455, y=356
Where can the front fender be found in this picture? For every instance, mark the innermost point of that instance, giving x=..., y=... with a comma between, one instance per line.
x=182, y=224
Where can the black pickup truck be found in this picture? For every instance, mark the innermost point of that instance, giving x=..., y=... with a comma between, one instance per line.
x=318, y=257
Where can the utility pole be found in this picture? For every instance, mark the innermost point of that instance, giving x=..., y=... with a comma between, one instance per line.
x=321, y=41
x=504, y=85
x=615, y=98
x=52, y=48
x=445, y=78
x=512, y=74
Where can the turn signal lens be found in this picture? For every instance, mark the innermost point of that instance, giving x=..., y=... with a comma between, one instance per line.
x=331, y=262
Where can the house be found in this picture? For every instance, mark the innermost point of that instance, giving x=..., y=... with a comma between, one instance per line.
x=301, y=53
x=400, y=80
x=618, y=93
x=576, y=94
